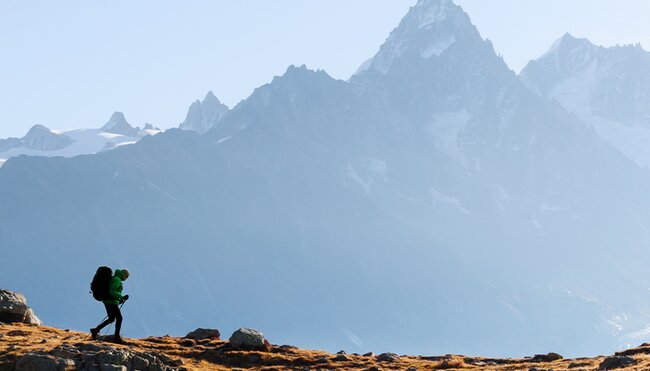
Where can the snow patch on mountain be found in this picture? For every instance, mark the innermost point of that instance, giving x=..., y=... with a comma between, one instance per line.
x=437, y=48
x=41, y=141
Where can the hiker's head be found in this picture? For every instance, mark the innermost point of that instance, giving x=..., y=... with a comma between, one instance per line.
x=123, y=274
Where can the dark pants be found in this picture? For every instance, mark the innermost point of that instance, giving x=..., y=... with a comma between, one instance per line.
x=113, y=312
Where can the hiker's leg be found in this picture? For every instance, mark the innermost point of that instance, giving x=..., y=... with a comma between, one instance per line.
x=118, y=321
x=110, y=311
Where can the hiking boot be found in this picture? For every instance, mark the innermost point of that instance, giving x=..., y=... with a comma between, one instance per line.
x=94, y=332
x=118, y=340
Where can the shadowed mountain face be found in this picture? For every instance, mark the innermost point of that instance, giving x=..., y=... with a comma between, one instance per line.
x=431, y=204
x=608, y=88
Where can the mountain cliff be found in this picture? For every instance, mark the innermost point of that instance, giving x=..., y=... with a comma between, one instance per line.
x=203, y=115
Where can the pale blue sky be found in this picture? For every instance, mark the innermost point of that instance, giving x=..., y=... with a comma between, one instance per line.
x=69, y=64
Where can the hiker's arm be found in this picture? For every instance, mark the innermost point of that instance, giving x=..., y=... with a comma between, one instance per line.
x=114, y=288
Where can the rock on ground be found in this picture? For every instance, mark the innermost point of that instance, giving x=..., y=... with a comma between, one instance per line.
x=611, y=363
x=204, y=333
x=13, y=308
x=96, y=358
x=247, y=338
x=388, y=357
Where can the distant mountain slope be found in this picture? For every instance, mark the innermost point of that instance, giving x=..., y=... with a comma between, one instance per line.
x=431, y=202
x=41, y=141
x=39, y=138
x=609, y=88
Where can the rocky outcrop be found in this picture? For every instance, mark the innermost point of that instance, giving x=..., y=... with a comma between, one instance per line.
x=615, y=362
x=204, y=333
x=14, y=309
x=203, y=116
x=247, y=338
x=96, y=357
x=550, y=357
x=388, y=357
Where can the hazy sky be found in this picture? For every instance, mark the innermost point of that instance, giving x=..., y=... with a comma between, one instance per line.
x=69, y=64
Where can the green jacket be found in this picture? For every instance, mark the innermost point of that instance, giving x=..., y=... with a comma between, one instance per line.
x=115, y=288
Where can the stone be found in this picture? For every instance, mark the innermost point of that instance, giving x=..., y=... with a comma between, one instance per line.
x=14, y=309
x=37, y=362
x=247, y=338
x=341, y=352
x=17, y=333
x=204, y=333
x=614, y=362
x=109, y=367
x=550, y=357
x=113, y=357
x=369, y=354
x=67, y=364
x=340, y=358
x=66, y=351
x=388, y=357
x=139, y=363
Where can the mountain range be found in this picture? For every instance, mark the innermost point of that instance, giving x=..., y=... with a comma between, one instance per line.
x=41, y=141
x=436, y=202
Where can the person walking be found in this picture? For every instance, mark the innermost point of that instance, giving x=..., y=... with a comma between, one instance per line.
x=115, y=298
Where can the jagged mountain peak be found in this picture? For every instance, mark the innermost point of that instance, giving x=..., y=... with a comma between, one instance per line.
x=211, y=98
x=301, y=72
x=203, y=115
x=570, y=44
x=117, y=124
x=428, y=29
x=117, y=120
x=428, y=12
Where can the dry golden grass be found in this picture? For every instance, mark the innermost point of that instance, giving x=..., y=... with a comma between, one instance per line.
x=16, y=340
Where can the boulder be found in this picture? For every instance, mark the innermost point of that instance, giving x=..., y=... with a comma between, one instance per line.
x=38, y=362
x=550, y=357
x=340, y=358
x=247, y=338
x=204, y=333
x=611, y=363
x=388, y=357
x=14, y=309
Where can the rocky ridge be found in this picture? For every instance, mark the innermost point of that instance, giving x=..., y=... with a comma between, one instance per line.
x=26, y=347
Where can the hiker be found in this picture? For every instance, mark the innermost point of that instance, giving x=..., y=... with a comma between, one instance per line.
x=114, y=298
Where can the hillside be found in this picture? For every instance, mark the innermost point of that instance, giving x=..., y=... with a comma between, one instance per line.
x=74, y=350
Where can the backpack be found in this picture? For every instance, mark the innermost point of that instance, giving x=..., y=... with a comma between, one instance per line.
x=100, y=284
